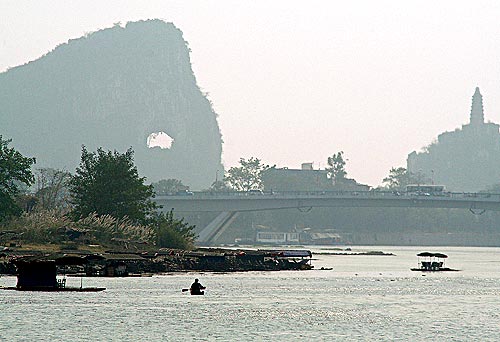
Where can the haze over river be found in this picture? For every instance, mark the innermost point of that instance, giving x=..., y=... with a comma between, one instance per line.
x=362, y=298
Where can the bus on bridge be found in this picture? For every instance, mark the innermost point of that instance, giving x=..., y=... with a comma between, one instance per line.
x=425, y=189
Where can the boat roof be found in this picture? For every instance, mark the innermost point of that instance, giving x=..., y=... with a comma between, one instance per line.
x=430, y=254
x=289, y=252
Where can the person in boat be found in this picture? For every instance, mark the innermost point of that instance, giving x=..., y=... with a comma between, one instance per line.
x=196, y=288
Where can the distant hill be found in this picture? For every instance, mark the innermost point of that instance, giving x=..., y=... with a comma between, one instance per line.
x=466, y=159
x=113, y=88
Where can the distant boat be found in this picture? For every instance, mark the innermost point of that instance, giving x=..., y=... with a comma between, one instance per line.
x=326, y=268
x=432, y=262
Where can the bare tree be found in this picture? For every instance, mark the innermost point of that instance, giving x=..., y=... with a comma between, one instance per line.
x=51, y=188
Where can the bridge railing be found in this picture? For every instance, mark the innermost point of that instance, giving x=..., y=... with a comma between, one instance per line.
x=482, y=196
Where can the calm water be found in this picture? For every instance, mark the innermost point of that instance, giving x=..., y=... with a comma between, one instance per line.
x=364, y=298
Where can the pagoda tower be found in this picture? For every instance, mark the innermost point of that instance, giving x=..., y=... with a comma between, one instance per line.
x=476, y=112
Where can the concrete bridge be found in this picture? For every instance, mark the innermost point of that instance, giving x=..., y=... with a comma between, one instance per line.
x=229, y=204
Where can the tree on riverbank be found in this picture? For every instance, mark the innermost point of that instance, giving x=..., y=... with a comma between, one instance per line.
x=111, y=208
x=15, y=171
x=171, y=232
x=107, y=183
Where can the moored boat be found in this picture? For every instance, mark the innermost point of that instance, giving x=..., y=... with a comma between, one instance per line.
x=432, y=262
x=40, y=274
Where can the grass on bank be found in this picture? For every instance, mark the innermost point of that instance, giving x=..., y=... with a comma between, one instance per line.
x=51, y=231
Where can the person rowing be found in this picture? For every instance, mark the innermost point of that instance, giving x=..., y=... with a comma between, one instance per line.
x=196, y=288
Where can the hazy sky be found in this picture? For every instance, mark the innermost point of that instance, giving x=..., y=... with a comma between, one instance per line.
x=296, y=81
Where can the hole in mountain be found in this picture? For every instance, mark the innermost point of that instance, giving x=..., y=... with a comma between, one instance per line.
x=160, y=139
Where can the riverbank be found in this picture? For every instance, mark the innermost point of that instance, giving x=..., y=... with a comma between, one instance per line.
x=114, y=263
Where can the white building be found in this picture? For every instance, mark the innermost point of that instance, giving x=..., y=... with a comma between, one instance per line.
x=277, y=237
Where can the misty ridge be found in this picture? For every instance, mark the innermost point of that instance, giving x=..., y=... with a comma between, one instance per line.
x=115, y=88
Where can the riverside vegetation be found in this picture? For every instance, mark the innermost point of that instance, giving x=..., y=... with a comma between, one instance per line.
x=105, y=203
x=103, y=216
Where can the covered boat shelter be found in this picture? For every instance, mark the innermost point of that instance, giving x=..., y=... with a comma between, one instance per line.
x=40, y=273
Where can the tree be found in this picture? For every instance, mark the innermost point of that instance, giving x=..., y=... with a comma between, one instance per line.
x=336, y=169
x=247, y=176
x=398, y=179
x=52, y=188
x=107, y=183
x=15, y=171
x=169, y=186
x=171, y=232
x=419, y=177
x=220, y=186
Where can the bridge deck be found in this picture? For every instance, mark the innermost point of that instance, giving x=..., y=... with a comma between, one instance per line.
x=245, y=201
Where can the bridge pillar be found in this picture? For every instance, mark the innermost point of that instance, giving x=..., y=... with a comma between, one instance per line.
x=215, y=228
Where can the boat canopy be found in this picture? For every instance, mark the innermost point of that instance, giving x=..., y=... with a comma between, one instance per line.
x=289, y=252
x=429, y=254
x=297, y=253
x=440, y=255
x=425, y=254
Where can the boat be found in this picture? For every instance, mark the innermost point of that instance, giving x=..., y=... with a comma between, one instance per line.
x=432, y=262
x=54, y=289
x=295, y=258
x=200, y=293
x=40, y=274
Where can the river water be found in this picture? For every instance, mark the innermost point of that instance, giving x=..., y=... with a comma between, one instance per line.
x=364, y=298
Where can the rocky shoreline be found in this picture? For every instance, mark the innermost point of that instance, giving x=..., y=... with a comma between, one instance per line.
x=126, y=263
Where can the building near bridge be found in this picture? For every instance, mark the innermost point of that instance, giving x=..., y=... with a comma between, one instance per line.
x=293, y=238
x=269, y=237
x=322, y=238
x=467, y=159
x=306, y=179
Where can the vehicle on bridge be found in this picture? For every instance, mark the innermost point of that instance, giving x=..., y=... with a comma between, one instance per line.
x=425, y=190
x=255, y=192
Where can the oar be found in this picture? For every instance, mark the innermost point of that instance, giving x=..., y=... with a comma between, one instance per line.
x=185, y=290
